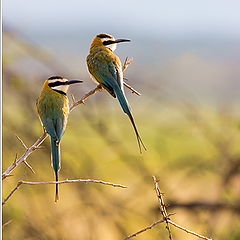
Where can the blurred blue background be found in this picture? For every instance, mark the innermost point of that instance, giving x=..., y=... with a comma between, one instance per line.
x=202, y=36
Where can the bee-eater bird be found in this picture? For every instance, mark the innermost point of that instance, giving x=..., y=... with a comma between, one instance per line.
x=53, y=110
x=105, y=68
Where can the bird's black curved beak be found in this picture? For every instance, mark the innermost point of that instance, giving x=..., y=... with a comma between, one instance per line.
x=121, y=40
x=69, y=82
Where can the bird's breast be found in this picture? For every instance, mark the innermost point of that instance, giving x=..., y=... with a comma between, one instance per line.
x=53, y=104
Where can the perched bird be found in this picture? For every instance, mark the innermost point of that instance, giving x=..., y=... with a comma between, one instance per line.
x=105, y=68
x=53, y=110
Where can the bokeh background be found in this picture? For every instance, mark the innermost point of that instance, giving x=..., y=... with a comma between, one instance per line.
x=186, y=65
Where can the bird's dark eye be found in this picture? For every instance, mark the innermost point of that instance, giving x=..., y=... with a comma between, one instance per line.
x=108, y=42
x=56, y=83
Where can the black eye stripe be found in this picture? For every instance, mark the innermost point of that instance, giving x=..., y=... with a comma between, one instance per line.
x=55, y=77
x=104, y=36
x=61, y=92
x=57, y=83
x=108, y=42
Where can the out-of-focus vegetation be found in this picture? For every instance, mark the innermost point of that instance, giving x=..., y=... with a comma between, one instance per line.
x=193, y=148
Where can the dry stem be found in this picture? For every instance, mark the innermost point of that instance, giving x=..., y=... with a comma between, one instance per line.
x=60, y=182
x=145, y=229
x=165, y=218
x=188, y=231
x=162, y=206
x=24, y=156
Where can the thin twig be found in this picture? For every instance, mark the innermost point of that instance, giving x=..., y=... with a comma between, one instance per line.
x=188, y=231
x=162, y=206
x=61, y=182
x=11, y=193
x=25, y=146
x=126, y=63
x=6, y=223
x=84, y=98
x=132, y=89
x=22, y=142
x=8, y=175
x=29, y=166
x=163, y=210
x=24, y=156
x=145, y=229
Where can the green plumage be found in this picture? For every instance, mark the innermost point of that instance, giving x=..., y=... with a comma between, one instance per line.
x=53, y=111
x=105, y=67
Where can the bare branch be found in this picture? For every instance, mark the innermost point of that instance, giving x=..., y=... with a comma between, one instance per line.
x=163, y=210
x=6, y=223
x=29, y=166
x=61, y=182
x=132, y=89
x=188, y=231
x=162, y=206
x=8, y=175
x=145, y=229
x=24, y=156
x=126, y=63
x=84, y=98
x=11, y=193
x=21, y=141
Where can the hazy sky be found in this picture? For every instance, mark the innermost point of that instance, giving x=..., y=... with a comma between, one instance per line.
x=178, y=37
x=143, y=17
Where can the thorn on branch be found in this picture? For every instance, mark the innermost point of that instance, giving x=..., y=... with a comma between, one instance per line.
x=144, y=229
x=162, y=206
x=29, y=166
x=22, y=142
x=37, y=147
x=24, y=156
x=8, y=175
x=15, y=160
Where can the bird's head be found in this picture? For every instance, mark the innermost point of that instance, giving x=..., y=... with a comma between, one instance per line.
x=60, y=84
x=107, y=40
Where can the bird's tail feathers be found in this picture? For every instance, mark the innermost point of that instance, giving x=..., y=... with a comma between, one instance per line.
x=126, y=108
x=55, y=162
x=139, y=139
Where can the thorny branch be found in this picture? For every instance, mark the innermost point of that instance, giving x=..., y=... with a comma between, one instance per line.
x=41, y=139
x=162, y=206
x=188, y=231
x=24, y=156
x=61, y=182
x=145, y=229
x=166, y=218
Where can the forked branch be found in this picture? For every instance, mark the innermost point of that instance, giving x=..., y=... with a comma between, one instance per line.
x=166, y=218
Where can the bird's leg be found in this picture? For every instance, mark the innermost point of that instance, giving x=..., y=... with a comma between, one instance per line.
x=100, y=87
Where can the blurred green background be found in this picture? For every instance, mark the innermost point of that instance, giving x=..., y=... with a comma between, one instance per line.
x=186, y=65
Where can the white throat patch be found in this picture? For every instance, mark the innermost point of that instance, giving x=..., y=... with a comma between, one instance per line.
x=58, y=87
